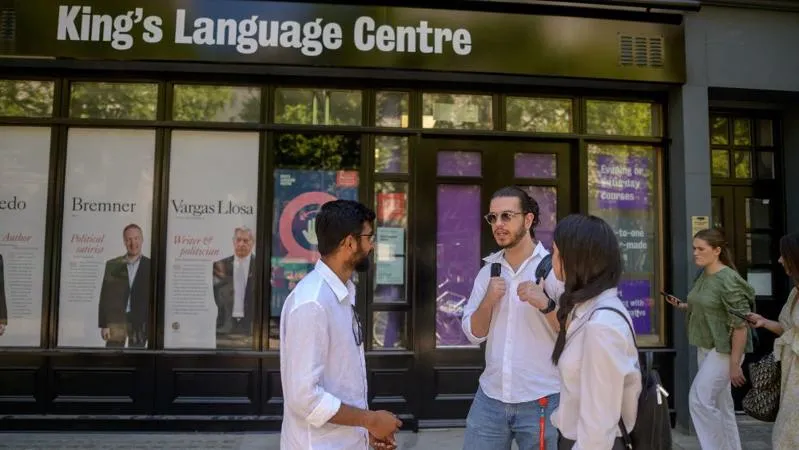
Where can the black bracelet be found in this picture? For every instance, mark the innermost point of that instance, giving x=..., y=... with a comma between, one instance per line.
x=550, y=307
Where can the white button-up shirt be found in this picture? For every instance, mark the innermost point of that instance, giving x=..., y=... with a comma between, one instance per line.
x=600, y=375
x=520, y=341
x=320, y=365
x=241, y=271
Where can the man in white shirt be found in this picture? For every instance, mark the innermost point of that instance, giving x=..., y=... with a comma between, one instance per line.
x=512, y=312
x=322, y=365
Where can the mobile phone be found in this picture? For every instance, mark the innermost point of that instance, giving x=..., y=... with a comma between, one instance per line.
x=742, y=316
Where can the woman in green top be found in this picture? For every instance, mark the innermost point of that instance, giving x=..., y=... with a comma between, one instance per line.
x=721, y=339
x=785, y=435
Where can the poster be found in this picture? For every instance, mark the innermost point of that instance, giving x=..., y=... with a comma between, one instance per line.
x=24, y=170
x=621, y=190
x=106, y=291
x=299, y=194
x=211, y=265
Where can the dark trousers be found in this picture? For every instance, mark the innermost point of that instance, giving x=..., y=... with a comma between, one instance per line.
x=238, y=337
x=567, y=444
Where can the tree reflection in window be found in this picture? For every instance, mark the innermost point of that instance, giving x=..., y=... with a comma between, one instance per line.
x=622, y=118
x=317, y=151
x=543, y=115
x=463, y=112
x=216, y=104
x=132, y=101
x=23, y=98
x=318, y=106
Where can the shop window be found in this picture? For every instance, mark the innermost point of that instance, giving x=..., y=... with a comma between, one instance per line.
x=622, y=118
x=391, y=154
x=720, y=164
x=389, y=330
x=742, y=132
x=743, y=164
x=547, y=199
x=25, y=98
x=765, y=133
x=101, y=100
x=210, y=294
x=391, y=207
x=24, y=171
x=196, y=103
x=719, y=130
x=457, y=258
x=539, y=115
x=106, y=290
x=622, y=190
x=457, y=111
x=535, y=165
x=318, y=106
x=459, y=164
x=391, y=109
x=765, y=165
x=310, y=170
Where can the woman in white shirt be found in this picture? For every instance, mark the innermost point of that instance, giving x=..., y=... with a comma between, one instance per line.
x=595, y=351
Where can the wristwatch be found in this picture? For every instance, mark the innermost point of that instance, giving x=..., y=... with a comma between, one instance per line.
x=550, y=307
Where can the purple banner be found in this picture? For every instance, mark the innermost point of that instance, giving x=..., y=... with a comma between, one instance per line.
x=637, y=297
x=457, y=258
x=623, y=182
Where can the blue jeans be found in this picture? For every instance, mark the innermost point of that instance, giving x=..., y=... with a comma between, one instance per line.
x=493, y=425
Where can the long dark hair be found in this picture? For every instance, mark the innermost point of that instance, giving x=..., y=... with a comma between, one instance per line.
x=591, y=260
x=789, y=250
x=715, y=238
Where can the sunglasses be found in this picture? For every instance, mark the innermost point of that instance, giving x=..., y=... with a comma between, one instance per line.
x=504, y=216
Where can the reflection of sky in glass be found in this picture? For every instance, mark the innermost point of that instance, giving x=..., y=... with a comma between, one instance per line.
x=457, y=258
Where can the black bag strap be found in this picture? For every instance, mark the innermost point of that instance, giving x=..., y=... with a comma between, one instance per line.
x=625, y=436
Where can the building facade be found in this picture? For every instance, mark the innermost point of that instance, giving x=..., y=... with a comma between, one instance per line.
x=191, y=142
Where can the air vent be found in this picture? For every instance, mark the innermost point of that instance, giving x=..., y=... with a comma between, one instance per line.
x=8, y=24
x=640, y=51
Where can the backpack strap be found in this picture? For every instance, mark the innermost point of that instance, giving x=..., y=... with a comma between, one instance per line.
x=625, y=435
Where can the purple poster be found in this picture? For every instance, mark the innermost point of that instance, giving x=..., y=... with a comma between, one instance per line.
x=623, y=182
x=637, y=297
x=457, y=258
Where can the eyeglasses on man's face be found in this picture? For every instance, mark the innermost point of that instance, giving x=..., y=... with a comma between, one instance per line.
x=504, y=216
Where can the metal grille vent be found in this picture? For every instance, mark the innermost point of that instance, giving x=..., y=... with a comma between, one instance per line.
x=8, y=24
x=640, y=51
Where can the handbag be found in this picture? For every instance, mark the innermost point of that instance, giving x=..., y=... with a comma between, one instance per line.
x=763, y=401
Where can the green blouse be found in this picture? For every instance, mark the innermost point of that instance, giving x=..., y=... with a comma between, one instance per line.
x=709, y=302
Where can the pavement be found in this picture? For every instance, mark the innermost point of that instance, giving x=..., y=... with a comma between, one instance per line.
x=755, y=436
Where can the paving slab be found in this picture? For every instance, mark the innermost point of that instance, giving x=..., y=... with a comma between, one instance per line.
x=755, y=436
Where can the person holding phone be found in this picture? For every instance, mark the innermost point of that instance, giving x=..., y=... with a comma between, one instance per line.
x=785, y=434
x=717, y=306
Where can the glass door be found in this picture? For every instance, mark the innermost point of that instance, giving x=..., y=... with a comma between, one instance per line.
x=459, y=176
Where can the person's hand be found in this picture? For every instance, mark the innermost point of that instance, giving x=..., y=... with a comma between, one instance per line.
x=736, y=375
x=388, y=443
x=496, y=290
x=382, y=424
x=756, y=320
x=105, y=333
x=676, y=302
x=533, y=294
x=2, y=329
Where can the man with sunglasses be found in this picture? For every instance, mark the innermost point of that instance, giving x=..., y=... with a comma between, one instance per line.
x=515, y=313
x=322, y=364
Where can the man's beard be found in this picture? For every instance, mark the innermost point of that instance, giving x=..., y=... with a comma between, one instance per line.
x=362, y=263
x=516, y=238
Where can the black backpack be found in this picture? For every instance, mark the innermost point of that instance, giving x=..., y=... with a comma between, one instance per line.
x=543, y=268
x=652, y=429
